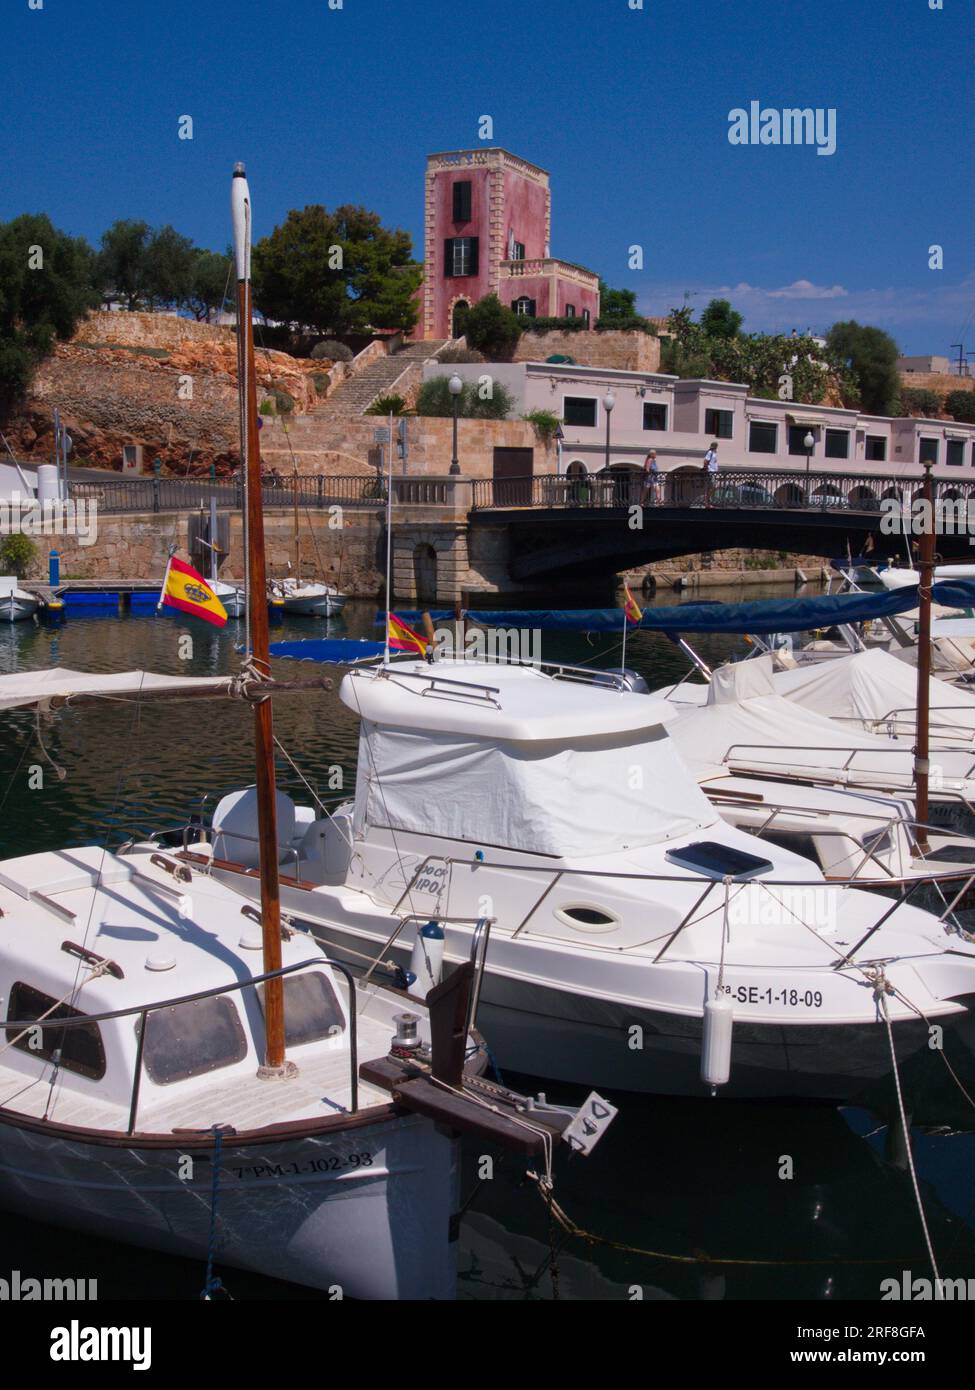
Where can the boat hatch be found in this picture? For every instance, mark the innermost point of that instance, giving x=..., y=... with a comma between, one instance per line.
x=66, y=871
x=586, y=918
x=715, y=860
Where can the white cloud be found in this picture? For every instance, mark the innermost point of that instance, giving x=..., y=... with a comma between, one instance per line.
x=805, y=289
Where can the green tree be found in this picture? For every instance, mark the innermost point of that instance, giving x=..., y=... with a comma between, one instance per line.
x=210, y=281
x=719, y=320
x=45, y=290
x=168, y=271
x=121, y=262
x=960, y=405
x=616, y=304
x=336, y=272
x=492, y=328
x=871, y=356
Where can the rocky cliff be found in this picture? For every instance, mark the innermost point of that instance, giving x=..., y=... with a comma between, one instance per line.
x=168, y=384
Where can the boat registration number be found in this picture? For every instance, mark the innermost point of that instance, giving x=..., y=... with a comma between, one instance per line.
x=334, y=1163
x=791, y=998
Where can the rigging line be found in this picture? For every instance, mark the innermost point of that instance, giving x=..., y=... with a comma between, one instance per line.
x=298, y=773
x=882, y=989
x=701, y=1257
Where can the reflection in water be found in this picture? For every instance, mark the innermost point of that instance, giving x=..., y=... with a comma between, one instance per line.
x=677, y=1177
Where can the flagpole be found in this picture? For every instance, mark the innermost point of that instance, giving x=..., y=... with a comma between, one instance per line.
x=162, y=591
x=389, y=532
x=625, y=621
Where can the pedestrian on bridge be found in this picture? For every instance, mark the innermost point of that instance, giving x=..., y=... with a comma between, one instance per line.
x=710, y=469
x=651, y=480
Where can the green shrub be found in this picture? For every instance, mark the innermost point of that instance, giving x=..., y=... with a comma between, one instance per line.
x=450, y=355
x=636, y=324
x=960, y=405
x=492, y=329
x=915, y=401
x=267, y=406
x=322, y=382
x=434, y=398
x=552, y=325
x=387, y=405
x=17, y=554
x=335, y=352
x=544, y=422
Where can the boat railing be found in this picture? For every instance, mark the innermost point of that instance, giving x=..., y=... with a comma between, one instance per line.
x=439, y=687
x=692, y=881
x=907, y=714
x=868, y=843
x=852, y=752
x=142, y=1012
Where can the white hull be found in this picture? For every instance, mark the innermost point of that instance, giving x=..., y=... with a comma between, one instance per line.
x=308, y=1209
x=231, y=597
x=319, y=606
x=18, y=607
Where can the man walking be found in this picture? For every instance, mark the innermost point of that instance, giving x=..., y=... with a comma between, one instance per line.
x=710, y=472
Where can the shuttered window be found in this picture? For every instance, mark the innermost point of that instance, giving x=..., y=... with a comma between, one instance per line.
x=462, y=201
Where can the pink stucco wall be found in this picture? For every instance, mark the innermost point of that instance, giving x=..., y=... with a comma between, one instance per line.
x=525, y=214
x=469, y=287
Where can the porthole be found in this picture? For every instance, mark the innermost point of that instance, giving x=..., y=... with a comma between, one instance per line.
x=585, y=917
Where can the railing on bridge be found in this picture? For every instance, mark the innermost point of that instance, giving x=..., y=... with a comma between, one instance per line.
x=729, y=490
x=190, y=494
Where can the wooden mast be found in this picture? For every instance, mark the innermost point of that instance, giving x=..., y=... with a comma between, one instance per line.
x=922, y=737
x=274, y=1059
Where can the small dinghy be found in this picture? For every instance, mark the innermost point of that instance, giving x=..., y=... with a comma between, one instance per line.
x=16, y=604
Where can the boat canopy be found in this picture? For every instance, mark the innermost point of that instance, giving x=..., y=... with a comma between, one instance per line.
x=27, y=688
x=771, y=736
x=871, y=687
x=519, y=761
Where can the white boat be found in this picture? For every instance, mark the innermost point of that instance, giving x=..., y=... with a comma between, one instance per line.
x=876, y=692
x=16, y=604
x=307, y=599
x=110, y=1127
x=865, y=838
x=230, y=595
x=624, y=908
x=741, y=722
x=900, y=577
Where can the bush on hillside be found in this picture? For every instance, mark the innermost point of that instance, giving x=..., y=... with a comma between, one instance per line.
x=335, y=352
x=917, y=401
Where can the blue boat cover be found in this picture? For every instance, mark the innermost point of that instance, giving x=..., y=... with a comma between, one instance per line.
x=342, y=651
x=762, y=617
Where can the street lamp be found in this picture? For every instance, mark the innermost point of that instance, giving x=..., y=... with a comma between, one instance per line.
x=808, y=443
x=455, y=386
x=609, y=400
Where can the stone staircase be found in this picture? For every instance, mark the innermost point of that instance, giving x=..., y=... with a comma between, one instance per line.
x=357, y=393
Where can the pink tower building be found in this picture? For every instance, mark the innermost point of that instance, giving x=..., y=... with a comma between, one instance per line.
x=487, y=223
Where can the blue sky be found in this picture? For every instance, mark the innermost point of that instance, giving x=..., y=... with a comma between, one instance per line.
x=628, y=110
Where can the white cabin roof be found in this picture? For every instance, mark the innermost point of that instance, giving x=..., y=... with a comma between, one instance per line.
x=517, y=704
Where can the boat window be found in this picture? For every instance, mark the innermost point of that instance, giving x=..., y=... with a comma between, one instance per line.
x=80, y=1047
x=311, y=1008
x=585, y=918
x=715, y=860
x=187, y=1040
x=792, y=840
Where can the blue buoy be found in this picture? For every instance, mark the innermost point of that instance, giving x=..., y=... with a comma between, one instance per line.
x=479, y=856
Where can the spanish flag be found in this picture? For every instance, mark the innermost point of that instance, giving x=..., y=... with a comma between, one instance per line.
x=188, y=591
x=631, y=608
x=402, y=638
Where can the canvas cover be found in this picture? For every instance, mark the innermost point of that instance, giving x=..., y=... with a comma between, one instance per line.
x=594, y=796
x=871, y=688
x=771, y=736
x=742, y=680
x=25, y=688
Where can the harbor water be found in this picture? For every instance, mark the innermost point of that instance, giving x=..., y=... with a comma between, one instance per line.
x=684, y=1199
